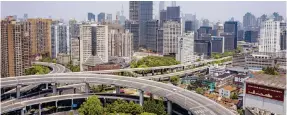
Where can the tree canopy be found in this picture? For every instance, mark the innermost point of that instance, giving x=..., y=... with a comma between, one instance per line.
x=121, y=106
x=174, y=80
x=153, y=61
x=92, y=106
x=271, y=70
x=152, y=106
x=199, y=90
x=37, y=69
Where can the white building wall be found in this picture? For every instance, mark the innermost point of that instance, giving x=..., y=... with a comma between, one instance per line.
x=171, y=31
x=264, y=103
x=269, y=40
x=185, y=46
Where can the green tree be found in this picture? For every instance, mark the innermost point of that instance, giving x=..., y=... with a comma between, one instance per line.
x=121, y=106
x=146, y=113
x=271, y=70
x=240, y=111
x=92, y=106
x=153, y=61
x=152, y=106
x=174, y=80
x=234, y=96
x=199, y=90
x=37, y=69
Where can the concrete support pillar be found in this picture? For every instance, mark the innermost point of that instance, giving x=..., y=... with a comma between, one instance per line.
x=151, y=96
x=87, y=88
x=169, y=107
x=161, y=71
x=23, y=111
x=143, y=72
x=183, y=67
x=47, y=86
x=141, y=95
x=56, y=105
x=40, y=109
x=54, y=87
x=152, y=72
x=118, y=90
x=105, y=102
x=72, y=103
x=18, y=91
x=74, y=90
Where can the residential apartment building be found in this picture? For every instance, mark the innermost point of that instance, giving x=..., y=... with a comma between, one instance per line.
x=269, y=36
x=120, y=41
x=133, y=27
x=185, y=46
x=93, y=45
x=15, y=48
x=152, y=35
x=60, y=39
x=75, y=51
x=40, y=36
x=171, y=31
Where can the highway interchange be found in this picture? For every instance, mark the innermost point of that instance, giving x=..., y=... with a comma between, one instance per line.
x=197, y=104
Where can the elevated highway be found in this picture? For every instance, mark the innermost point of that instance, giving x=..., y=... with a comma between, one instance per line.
x=193, y=102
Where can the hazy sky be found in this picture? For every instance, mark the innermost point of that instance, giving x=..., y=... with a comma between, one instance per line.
x=213, y=11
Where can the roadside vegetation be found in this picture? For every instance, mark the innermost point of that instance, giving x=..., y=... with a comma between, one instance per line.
x=154, y=61
x=93, y=106
x=37, y=69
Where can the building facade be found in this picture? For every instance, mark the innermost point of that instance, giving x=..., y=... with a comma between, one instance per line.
x=60, y=39
x=185, y=48
x=203, y=47
x=93, y=45
x=109, y=18
x=133, y=27
x=101, y=17
x=269, y=40
x=133, y=9
x=152, y=35
x=145, y=14
x=75, y=51
x=189, y=26
x=228, y=41
x=217, y=43
x=204, y=31
x=251, y=36
x=173, y=13
x=232, y=27
x=249, y=21
x=91, y=17
x=171, y=31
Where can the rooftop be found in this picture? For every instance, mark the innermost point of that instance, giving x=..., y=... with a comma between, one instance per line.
x=229, y=88
x=276, y=81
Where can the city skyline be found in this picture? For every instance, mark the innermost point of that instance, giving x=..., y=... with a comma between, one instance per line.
x=67, y=10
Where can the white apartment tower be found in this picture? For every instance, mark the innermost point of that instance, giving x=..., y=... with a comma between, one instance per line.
x=269, y=36
x=185, y=46
x=171, y=31
x=93, y=45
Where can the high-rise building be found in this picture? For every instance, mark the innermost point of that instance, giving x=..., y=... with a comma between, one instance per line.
x=15, y=48
x=249, y=21
x=40, y=36
x=75, y=50
x=133, y=27
x=109, y=18
x=277, y=17
x=231, y=27
x=25, y=17
x=261, y=19
x=161, y=6
x=91, y=17
x=74, y=28
x=204, y=31
x=185, y=46
x=134, y=10
x=228, y=41
x=251, y=36
x=217, y=44
x=120, y=41
x=283, y=40
x=60, y=39
x=145, y=14
x=202, y=47
x=269, y=40
x=205, y=22
x=101, y=17
x=171, y=31
x=93, y=45
x=152, y=35
x=173, y=13
x=189, y=26
x=162, y=17
x=240, y=35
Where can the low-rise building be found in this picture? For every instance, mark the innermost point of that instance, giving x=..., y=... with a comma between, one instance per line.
x=226, y=91
x=185, y=48
x=63, y=59
x=265, y=92
x=222, y=80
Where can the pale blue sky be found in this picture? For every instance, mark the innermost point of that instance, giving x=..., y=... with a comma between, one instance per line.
x=77, y=9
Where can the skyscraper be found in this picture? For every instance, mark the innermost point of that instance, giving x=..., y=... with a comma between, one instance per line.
x=109, y=18
x=162, y=17
x=228, y=41
x=152, y=35
x=231, y=27
x=217, y=44
x=133, y=27
x=91, y=17
x=134, y=10
x=251, y=36
x=205, y=22
x=171, y=31
x=93, y=45
x=249, y=21
x=202, y=47
x=270, y=36
x=60, y=39
x=25, y=17
x=204, y=32
x=101, y=17
x=189, y=26
x=145, y=14
x=161, y=6
x=173, y=13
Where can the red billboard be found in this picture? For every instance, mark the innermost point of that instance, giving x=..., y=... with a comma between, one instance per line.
x=264, y=91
